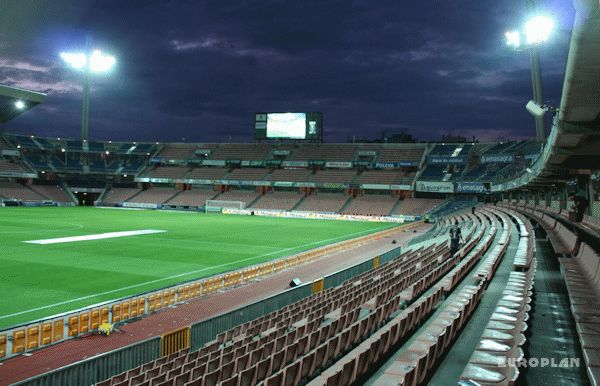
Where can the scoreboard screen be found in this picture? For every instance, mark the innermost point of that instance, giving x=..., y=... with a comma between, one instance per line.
x=307, y=126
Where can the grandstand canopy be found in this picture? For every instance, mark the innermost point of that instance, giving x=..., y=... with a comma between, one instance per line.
x=9, y=96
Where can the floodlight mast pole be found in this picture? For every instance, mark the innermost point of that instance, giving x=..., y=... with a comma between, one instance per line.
x=85, y=111
x=536, y=82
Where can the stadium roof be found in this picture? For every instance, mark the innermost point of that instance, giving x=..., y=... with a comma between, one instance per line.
x=10, y=96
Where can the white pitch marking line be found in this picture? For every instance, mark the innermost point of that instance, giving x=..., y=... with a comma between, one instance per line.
x=98, y=236
x=186, y=273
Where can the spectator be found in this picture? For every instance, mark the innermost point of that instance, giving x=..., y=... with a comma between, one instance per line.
x=580, y=204
x=455, y=238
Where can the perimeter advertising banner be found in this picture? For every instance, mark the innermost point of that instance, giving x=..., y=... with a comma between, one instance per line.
x=460, y=160
x=497, y=158
x=338, y=164
x=393, y=165
x=434, y=186
x=317, y=215
x=470, y=187
x=295, y=164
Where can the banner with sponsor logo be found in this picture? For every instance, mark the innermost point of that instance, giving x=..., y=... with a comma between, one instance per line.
x=316, y=215
x=160, y=180
x=338, y=164
x=305, y=185
x=213, y=162
x=436, y=160
x=14, y=153
x=334, y=186
x=295, y=164
x=497, y=158
x=533, y=156
x=281, y=152
x=375, y=186
x=253, y=163
x=367, y=153
x=197, y=182
x=400, y=187
x=141, y=205
x=393, y=165
x=470, y=187
x=18, y=175
x=283, y=184
x=434, y=186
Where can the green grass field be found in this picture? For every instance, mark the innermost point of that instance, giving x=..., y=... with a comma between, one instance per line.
x=42, y=280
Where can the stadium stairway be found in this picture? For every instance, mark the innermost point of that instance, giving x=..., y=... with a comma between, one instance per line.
x=297, y=342
x=346, y=204
x=396, y=205
x=299, y=203
x=569, y=281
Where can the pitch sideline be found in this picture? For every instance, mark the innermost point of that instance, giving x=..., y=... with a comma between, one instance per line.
x=182, y=274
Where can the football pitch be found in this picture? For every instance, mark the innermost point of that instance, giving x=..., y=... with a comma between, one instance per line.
x=54, y=260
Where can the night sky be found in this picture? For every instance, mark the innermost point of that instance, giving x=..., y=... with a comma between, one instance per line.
x=199, y=70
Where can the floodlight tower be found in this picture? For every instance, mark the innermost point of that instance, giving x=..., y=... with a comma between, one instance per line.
x=90, y=62
x=536, y=31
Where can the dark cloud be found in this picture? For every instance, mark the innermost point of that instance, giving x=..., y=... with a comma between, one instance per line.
x=200, y=69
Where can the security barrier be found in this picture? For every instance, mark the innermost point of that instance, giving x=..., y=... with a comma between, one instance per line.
x=33, y=337
x=18, y=341
x=318, y=286
x=175, y=341
x=2, y=345
x=70, y=325
x=46, y=333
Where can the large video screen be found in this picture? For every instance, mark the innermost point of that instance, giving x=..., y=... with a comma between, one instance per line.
x=286, y=125
x=301, y=126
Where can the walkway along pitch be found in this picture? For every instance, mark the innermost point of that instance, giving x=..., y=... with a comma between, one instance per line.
x=50, y=358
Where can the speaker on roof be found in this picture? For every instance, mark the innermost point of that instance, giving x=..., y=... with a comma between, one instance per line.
x=295, y=282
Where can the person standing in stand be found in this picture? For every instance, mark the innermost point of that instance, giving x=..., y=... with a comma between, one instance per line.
x=580, y=204
x=455, y=238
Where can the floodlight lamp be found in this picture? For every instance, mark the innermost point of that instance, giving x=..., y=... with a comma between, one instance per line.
x=538, y=29
x=76, y=60
x=100, y=62
x=19, y=105
x=513, y=39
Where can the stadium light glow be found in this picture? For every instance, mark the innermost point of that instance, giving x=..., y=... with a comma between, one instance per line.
x=19, y=105
x=513, y=39
x=537, y=29
x=100, y=62
x=96, y=62
x=76, y=60
x=90, y=62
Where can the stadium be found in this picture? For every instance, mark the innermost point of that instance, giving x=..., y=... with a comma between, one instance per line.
x=293, y=260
